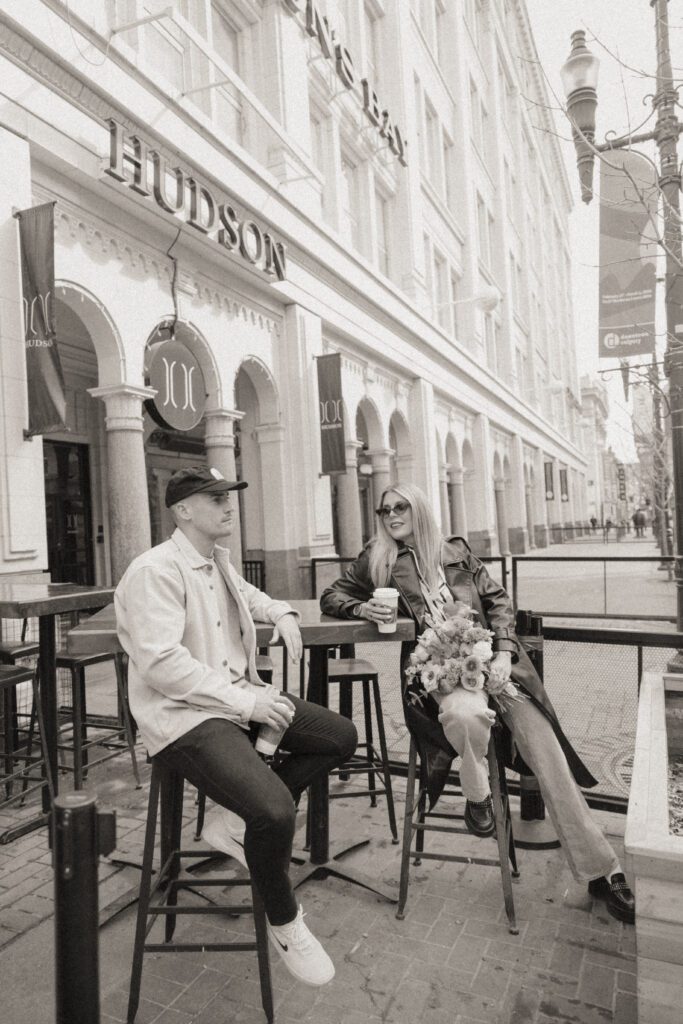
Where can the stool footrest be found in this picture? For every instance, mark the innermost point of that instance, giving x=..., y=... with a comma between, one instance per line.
x=226, y=908
x=488, y=861
x=200, y=947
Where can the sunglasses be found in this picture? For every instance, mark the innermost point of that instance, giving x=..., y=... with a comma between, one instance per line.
x=386, y=510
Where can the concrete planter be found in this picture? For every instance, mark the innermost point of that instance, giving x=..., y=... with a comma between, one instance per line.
x=654, y=856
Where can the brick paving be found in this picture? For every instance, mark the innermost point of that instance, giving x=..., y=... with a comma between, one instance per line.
x=451, y=961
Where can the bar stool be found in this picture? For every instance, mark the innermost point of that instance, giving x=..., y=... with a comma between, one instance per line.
x=346, y=672
x=166, y=790
x=416, y=821
x=10, y=677
x=264, y=668
x=11, y=653
x=114, y=731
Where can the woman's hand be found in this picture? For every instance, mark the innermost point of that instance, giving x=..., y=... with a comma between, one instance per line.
x=501, y=665
x=376, y=611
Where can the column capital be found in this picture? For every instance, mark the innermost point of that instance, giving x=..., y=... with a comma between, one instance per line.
x=269, y=432
x=352, y=448
x=220, y=427
x=380, y=458
x=456, y=475
x=123, y=404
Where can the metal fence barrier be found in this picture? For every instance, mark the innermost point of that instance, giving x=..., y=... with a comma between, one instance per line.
x=254, y=572
x=640, y=587
x=325, y=570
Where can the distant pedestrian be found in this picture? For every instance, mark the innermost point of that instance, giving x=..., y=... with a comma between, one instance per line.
x=640, y=522
x=606, y=529
x=594, y=523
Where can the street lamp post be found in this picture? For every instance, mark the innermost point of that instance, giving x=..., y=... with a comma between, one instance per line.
x=579, y=77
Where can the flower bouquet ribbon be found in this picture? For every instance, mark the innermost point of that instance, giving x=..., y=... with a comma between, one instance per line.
x=455, y=651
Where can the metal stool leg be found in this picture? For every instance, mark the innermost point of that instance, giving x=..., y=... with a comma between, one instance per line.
x=421, y=815
x=7, y=714
x=379, y=717
x=502, y=835
x=369, y=746
x=407, y=831
x=201, y=814
x=171, y=826
x=120, y=671
x=143, y=900
x=78, y=726
x=262, y=953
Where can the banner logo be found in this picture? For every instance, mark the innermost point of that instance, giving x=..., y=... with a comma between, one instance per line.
x=331, y=410
x=179, y=382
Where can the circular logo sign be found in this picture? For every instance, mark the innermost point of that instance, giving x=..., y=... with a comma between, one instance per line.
x=611, y=340
x=179, y=382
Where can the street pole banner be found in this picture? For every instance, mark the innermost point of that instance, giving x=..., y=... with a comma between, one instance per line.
x=549, y=486
x=46, y=393
x=628, y=250
x=331, y=414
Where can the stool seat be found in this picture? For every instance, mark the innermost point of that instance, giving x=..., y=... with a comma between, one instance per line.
x=12, y=675
x=71, y=661
x=11, y=651
x=350, y=668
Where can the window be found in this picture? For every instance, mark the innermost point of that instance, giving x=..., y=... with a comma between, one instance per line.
x=441, y=29
x=383, y=222
x=226, y=98
x=449, y=170
x=456, y=288
x=485, y=229
x=490, y=342
x=480, y=120
x=350, y=203
x=433, y=164
x=441, y=302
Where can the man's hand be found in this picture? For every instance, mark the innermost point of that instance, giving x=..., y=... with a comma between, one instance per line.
x=501, y=665
x=288, y=628
x=272, y=708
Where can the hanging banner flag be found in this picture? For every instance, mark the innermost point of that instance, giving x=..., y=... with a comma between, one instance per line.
x=331, y=414
x=549, y=486
x=628, y=225
x=564, y=486
x=46, y=394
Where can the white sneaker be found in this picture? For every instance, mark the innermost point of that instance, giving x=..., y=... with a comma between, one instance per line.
x=224, y=830
x=303, y=955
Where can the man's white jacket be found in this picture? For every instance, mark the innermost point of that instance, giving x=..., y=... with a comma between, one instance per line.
x=167, y=617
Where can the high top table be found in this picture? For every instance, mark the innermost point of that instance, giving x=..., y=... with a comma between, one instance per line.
x=319, y=633
x=46, y=601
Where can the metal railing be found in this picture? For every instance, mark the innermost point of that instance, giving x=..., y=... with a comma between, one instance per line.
x=317, y=586
x=651, y=595
x=254, y=572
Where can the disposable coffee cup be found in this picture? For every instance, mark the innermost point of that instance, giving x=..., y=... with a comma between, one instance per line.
x=268, y=739
x=388, y=596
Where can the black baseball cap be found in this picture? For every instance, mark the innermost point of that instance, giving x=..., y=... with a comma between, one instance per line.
x=199, y=480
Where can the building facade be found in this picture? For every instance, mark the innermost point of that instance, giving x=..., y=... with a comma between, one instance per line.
x=260, y=183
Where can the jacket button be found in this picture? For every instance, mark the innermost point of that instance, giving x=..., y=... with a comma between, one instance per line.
x=210, y=586
x=218, y=623
x=225, y=664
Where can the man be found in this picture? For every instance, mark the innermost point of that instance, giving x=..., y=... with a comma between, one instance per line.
x=186, y=620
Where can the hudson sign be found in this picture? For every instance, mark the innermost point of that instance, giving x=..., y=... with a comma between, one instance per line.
x=145, y=171
x=317, y=25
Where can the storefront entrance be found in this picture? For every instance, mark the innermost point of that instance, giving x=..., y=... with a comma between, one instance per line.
x=69, y=512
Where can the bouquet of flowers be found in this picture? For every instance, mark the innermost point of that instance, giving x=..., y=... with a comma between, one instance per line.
x=456, y=651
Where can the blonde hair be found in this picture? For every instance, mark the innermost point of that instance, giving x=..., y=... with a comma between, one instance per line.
x=384, y=549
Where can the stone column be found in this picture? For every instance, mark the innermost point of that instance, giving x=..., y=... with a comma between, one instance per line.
x=501, y=517
x=529, y=514
x=129, y=525
x=446, y=526
x=219, y=441
x=456, y=495
x=381, y=472
x=518, y=533
x=348, y=504
x=542, y=505
x=482, y=516
x=281, y=561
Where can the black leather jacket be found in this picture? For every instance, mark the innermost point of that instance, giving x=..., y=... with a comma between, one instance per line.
x=469, y=581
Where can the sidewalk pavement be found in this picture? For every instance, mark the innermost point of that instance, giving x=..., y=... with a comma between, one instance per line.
x=451, y=961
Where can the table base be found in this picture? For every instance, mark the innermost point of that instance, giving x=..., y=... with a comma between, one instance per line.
x=26, y=827
x=301, y=873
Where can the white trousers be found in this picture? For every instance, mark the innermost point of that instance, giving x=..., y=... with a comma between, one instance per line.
x=466, y=721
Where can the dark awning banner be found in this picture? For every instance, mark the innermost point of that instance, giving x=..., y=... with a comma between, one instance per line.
x=628, y=228
x=331, y=414
x=46, y=394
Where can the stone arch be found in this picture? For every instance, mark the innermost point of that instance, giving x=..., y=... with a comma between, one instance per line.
x=497, y=468
x=376, y=436
x=98, y=322
x=264, y=385
x=400, y=443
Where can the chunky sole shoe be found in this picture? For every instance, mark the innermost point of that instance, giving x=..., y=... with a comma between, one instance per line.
x=302, y=954
x=479, y=818
x=617, y=896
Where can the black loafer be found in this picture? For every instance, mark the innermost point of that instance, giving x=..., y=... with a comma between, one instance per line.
x=479, y=817
x=617, y=895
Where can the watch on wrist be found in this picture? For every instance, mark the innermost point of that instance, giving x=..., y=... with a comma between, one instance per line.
x=357, y=609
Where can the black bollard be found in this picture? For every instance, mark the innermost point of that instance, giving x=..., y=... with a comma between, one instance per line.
x=79, y=834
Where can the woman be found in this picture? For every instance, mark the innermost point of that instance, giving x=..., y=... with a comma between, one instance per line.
x=409, y=553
